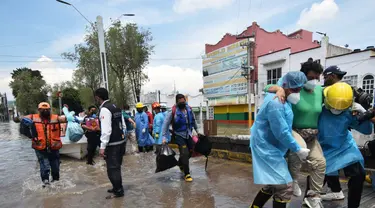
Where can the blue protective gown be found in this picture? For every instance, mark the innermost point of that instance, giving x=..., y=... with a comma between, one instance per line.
x=144, y=139
x=338, y=145
x=158, y=128
x=168, y=137
x=270, y=139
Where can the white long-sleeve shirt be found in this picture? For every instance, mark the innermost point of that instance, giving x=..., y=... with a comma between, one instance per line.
x=105, y=117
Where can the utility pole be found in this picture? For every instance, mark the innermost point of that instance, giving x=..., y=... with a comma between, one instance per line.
x=159, y=95
x=60, y=101
x=103, y=54
x=247, y=70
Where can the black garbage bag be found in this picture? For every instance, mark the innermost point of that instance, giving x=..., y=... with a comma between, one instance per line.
x=165, y=159
x=203, y=146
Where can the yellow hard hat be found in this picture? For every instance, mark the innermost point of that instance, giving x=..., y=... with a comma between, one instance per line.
x=139, y=105
x=338, y=96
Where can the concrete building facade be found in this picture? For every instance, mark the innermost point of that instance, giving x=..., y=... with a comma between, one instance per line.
x=224, y=86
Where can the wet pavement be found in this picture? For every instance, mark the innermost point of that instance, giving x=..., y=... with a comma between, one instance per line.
x=225, y=184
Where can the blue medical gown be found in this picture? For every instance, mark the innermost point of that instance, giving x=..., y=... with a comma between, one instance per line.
x=270, y=139
x=338, y=145
x=144, y=139
x=158, y=127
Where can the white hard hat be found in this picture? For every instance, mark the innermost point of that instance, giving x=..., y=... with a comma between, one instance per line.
x=163, y=105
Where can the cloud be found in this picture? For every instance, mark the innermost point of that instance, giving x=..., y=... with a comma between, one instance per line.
x=318, y=13
x=347, y=14
x=189, y=6
x=51, y=71
x=163, y=77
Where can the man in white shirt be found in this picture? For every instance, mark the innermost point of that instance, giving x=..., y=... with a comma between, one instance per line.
x=112, y=146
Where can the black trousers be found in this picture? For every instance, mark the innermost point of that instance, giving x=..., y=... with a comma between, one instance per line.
x=93, y=141
x=146, y=148
x=185, y=147
x=355, y=185
x=114, y=157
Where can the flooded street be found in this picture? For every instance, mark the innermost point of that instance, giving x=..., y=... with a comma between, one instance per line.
x=225, y=184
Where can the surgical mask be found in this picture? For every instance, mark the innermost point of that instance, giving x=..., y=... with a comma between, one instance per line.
x=293, y=98
x=335, y=112
x=93, y=115
x=311, y=84
x=181, y=105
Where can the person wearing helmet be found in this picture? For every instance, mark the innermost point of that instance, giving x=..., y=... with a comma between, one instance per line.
x=270, y=138
x=157, y=131
x=305, y=132
x=338, y=145
x=145, y=141
x=47, y=149
x=163, y=108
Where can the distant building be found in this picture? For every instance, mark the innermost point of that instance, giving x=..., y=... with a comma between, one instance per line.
x=224, y=86
x=4, y=113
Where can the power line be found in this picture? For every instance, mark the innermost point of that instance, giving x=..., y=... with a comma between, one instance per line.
x=15, y=45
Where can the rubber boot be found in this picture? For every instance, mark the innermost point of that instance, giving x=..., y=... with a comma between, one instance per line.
x=260, y=200
x=277, y=204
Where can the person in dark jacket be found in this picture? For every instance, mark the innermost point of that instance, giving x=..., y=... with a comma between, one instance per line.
x=92, y=132
x=183, y=121
x=112, y=146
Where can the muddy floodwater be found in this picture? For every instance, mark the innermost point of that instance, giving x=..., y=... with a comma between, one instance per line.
x=225, y=184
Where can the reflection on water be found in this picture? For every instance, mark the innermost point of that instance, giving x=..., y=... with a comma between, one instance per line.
x=85, y=186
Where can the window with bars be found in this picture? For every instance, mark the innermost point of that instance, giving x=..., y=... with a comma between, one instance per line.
x=368, y=84
x=273, y=75
x=352, y=80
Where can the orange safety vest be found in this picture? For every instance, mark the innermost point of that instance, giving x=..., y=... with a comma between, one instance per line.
x=48, y=133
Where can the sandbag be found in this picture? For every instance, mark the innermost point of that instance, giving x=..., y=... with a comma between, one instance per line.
x=165, y=159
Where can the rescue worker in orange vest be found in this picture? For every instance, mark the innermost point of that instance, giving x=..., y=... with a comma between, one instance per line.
x=48, y=142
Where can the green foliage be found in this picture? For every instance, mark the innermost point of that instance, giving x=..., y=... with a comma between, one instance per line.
x=30, y=90
x=18, y=71
x=128, y=49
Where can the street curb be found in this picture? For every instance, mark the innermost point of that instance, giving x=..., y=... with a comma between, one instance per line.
x=225, y=154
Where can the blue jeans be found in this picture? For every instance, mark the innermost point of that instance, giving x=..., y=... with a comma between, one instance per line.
x=49, y=161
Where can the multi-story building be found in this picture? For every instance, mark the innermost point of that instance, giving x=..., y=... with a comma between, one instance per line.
x=224, y=86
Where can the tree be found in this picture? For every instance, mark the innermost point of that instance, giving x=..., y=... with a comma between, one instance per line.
x=31, y=90
x=18, y=71
x=128, y=50
x=88, y=73
x=71, y=97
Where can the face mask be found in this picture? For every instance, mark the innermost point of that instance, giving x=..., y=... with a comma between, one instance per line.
x=310, y=85
x=293, y=98
x=335, y=112
x=45, y=114
x=93, y=115
x=181, y=105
